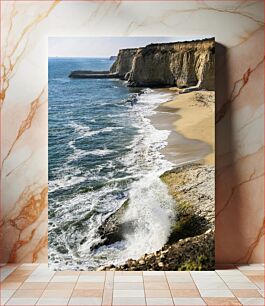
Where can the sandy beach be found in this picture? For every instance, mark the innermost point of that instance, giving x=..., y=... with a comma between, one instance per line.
x=190, y=115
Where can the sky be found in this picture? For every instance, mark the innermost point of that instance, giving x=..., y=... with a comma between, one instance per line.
x=101, y=46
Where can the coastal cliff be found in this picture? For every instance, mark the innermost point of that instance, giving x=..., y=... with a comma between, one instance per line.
x=124, y=62
x=187, y=64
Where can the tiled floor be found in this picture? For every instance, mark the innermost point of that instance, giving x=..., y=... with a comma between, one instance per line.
x=35, y=284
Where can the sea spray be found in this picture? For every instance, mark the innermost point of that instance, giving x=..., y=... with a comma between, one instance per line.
x=151, y=210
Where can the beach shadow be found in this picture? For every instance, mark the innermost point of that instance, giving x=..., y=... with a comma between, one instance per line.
x=179, y=149
x=227, y=227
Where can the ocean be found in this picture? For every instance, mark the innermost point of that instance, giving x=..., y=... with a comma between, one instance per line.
x=103, y=150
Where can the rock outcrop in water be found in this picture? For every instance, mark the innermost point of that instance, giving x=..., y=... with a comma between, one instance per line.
x=188, y=64
x=181, y=64
x=88, y=74
x=113, y=229
x=192, y=253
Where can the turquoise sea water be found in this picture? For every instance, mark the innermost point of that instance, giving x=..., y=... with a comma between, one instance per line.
x=103, y=150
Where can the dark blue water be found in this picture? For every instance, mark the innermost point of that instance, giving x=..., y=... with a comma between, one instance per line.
x=103, y=150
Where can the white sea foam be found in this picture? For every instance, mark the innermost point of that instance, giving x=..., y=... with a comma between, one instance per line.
x=77, y=153
x=150, y=206
x=65, y=182
x=151, y=210
x=82, y=130
x=101, y=152
x=71, y=175
x=67, y=176
x=85, y=131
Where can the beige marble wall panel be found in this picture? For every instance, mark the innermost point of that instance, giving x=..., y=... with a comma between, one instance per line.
x=238, y=27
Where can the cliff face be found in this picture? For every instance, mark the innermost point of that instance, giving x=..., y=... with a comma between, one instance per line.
x=123, y=63
x=181, y=64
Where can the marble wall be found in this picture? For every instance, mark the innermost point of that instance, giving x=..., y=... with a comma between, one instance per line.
x=238, y=27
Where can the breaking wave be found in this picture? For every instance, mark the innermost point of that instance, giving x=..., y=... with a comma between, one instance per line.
x=107, y=155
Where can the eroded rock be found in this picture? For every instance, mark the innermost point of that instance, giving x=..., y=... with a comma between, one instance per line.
x=187, y=64
x=191, y=243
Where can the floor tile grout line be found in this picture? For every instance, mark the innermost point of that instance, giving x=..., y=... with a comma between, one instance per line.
x=242, y=274
x=222, y=304
x=213, y=289
x=12, y=294
x=219, y=276
x=102, y=295
x=22, y=284
x=169, y=288
x=13, y=271
x=145, y=298
x=203, y=298
x=70, y=295
x=76, y=281
x=237, y=281
x=9, y=297
x=228, y=289
x=74, y=287
x=49, y=282
x=233, y=292
x=112, y=290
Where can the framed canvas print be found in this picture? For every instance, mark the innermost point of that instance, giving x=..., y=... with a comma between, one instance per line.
x=131, y=153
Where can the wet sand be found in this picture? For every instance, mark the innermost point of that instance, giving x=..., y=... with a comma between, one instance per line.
x=190, y=117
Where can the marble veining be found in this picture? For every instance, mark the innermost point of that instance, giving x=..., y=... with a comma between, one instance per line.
x=238, y=27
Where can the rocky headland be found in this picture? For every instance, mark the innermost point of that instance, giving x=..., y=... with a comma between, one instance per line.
x=190, y=245
x=88, y=74
x=188, y=64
